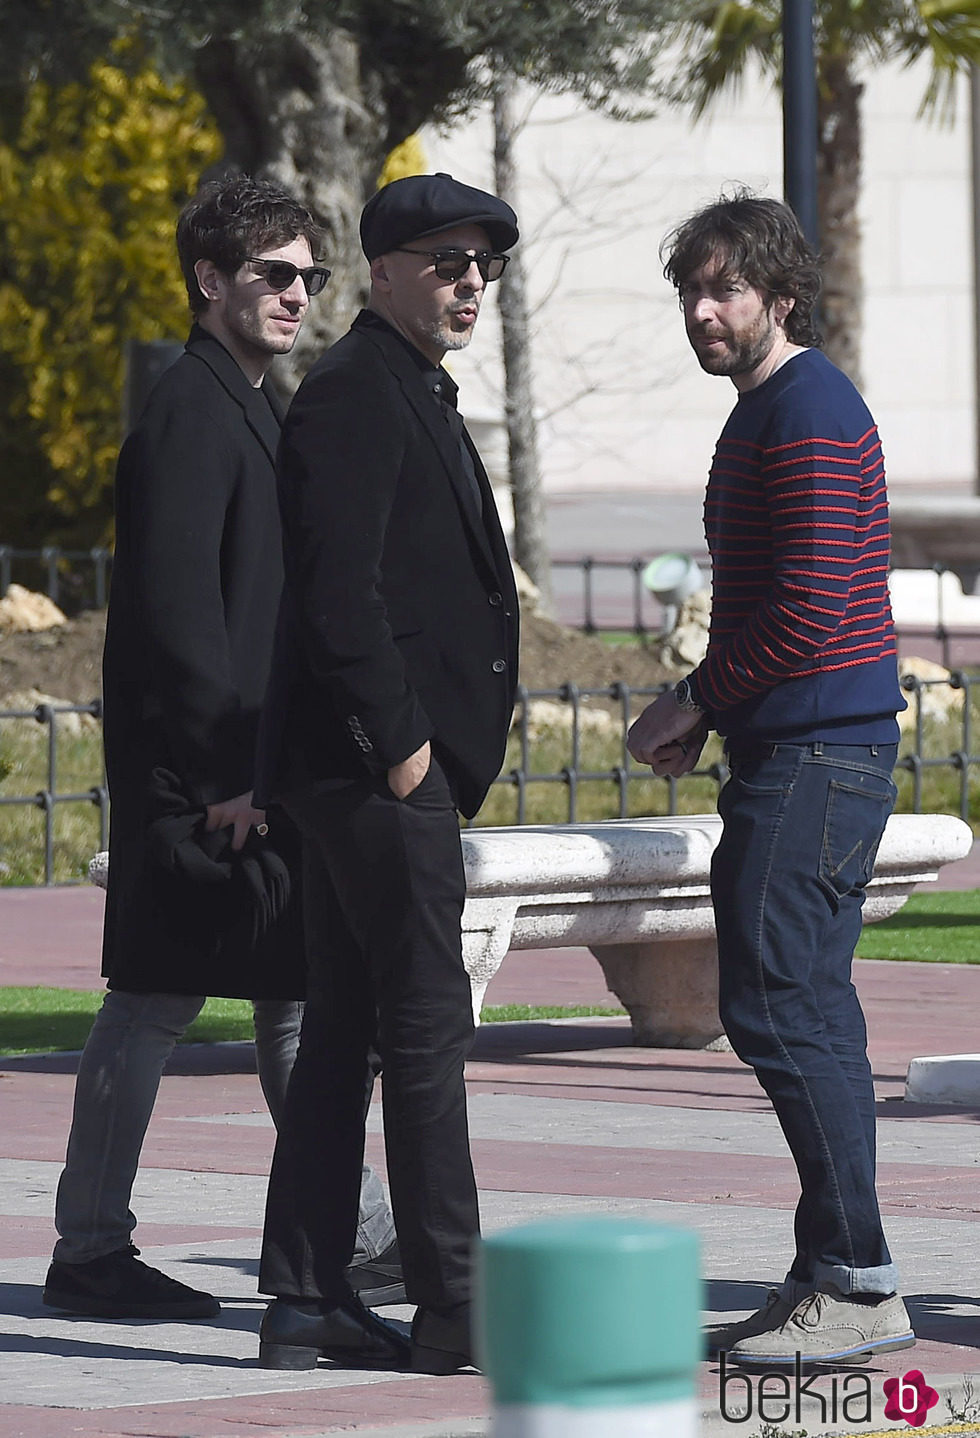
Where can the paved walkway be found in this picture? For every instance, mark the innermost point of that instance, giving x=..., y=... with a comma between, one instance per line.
x=566, y=1118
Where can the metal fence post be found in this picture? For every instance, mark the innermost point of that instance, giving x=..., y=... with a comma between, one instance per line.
x=638, y=566
x=50, y=556
x=100, y=558
x=588, y=622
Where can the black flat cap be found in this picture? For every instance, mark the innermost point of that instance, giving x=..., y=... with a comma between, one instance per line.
x=423, y=205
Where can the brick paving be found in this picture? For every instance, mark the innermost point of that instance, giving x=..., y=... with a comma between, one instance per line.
x=566, y=1118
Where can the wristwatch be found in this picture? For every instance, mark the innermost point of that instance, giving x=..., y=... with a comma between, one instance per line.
x=684, y=697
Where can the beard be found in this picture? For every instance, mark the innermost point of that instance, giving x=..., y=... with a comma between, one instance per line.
x=742, y=352
x=455, y=339
x=440, y=332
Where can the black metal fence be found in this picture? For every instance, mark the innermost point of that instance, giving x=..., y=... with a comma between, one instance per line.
x=628, y=607
x=624, y=777
x=73, y=578
x=623, y=786
x=961, y=762
x=925, y=730
x=596, y=595
x=49, y=797
x=604, y=596
x=938, y=757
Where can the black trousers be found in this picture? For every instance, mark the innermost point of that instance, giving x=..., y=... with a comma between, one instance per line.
x=383, y=893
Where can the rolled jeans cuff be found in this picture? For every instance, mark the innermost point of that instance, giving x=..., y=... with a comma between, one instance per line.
x=883, y=1280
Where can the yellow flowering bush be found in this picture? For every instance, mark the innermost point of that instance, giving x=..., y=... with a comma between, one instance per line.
x=405, y=159
x=90, y=188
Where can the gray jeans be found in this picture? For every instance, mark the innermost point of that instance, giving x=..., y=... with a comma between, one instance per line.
x=118, y=1077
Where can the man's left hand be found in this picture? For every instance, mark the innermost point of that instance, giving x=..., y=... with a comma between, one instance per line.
x=663, y=722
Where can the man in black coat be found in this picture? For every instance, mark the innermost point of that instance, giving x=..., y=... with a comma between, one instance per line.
x=389, y=704
x=195, y=591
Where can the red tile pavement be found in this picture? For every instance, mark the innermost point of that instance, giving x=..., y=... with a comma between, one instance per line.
x=912, y=1009
x=34, y=1237
x=403, y=1400
x=52, y=936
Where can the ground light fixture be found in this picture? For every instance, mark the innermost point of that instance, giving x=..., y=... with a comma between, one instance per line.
x=672, y=578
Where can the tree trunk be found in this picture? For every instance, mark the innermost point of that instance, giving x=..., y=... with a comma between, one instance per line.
x=530, y=538
x=296, y=110
x=838, y=191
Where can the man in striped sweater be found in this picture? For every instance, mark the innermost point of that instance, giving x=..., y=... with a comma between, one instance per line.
x=800, y=678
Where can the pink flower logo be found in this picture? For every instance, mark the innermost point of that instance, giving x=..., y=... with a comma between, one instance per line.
x=909, y=1397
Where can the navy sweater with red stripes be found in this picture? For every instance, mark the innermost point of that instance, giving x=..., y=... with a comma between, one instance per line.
x=802, y=643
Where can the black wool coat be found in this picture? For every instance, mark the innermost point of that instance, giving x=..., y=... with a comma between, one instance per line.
x=196, y=581
x=399, y=621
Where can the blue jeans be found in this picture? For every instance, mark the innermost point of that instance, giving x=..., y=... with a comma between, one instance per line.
x=119, y=1074
x=802, y=824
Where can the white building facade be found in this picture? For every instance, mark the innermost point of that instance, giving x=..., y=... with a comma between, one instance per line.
x=623, y=405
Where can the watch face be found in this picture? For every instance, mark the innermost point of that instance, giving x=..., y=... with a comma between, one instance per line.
x=683, y=695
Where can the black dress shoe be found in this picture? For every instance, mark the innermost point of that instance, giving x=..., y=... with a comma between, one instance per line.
x=442, y=1342
x=379, y=1280
x=295, y=1337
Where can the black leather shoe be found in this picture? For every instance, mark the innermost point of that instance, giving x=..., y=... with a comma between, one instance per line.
x=442, y=1342
x=292, y=1337
x=379, y=1280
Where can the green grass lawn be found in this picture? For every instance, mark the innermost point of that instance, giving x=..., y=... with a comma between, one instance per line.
x=42, y=1020
x=520, y=1013
x=934, y=928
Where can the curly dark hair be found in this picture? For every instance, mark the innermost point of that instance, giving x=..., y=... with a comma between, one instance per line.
x=758, y=240
x=232, y=218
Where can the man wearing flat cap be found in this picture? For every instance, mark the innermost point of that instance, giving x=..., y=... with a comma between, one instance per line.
x=388, y=709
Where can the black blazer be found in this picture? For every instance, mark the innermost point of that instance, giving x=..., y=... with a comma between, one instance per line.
x=399, y=620
x=196, y=581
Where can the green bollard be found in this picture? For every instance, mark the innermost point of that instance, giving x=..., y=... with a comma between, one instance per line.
x=590, y=1328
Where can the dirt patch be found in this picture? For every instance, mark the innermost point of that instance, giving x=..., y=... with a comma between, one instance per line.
x=552, y=656
x=67, y=661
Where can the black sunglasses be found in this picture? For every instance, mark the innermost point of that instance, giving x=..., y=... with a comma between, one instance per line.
x=280, y=274
x=452, y=264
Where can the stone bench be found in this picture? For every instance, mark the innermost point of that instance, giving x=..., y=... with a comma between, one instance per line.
x=635, y=892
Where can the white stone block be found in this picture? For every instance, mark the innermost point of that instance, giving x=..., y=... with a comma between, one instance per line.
x=944, y=1078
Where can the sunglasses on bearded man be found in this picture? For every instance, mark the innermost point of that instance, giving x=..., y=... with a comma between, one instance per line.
x=452, y=263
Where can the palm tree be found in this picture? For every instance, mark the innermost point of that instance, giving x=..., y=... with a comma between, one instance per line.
x=719, y=38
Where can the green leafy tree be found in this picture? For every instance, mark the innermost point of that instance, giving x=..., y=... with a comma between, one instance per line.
x=315, y=93
x=719, y=39
x=91, y=179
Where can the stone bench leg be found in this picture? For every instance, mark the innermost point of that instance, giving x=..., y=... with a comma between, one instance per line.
x=487, y=927
x=669, y=989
